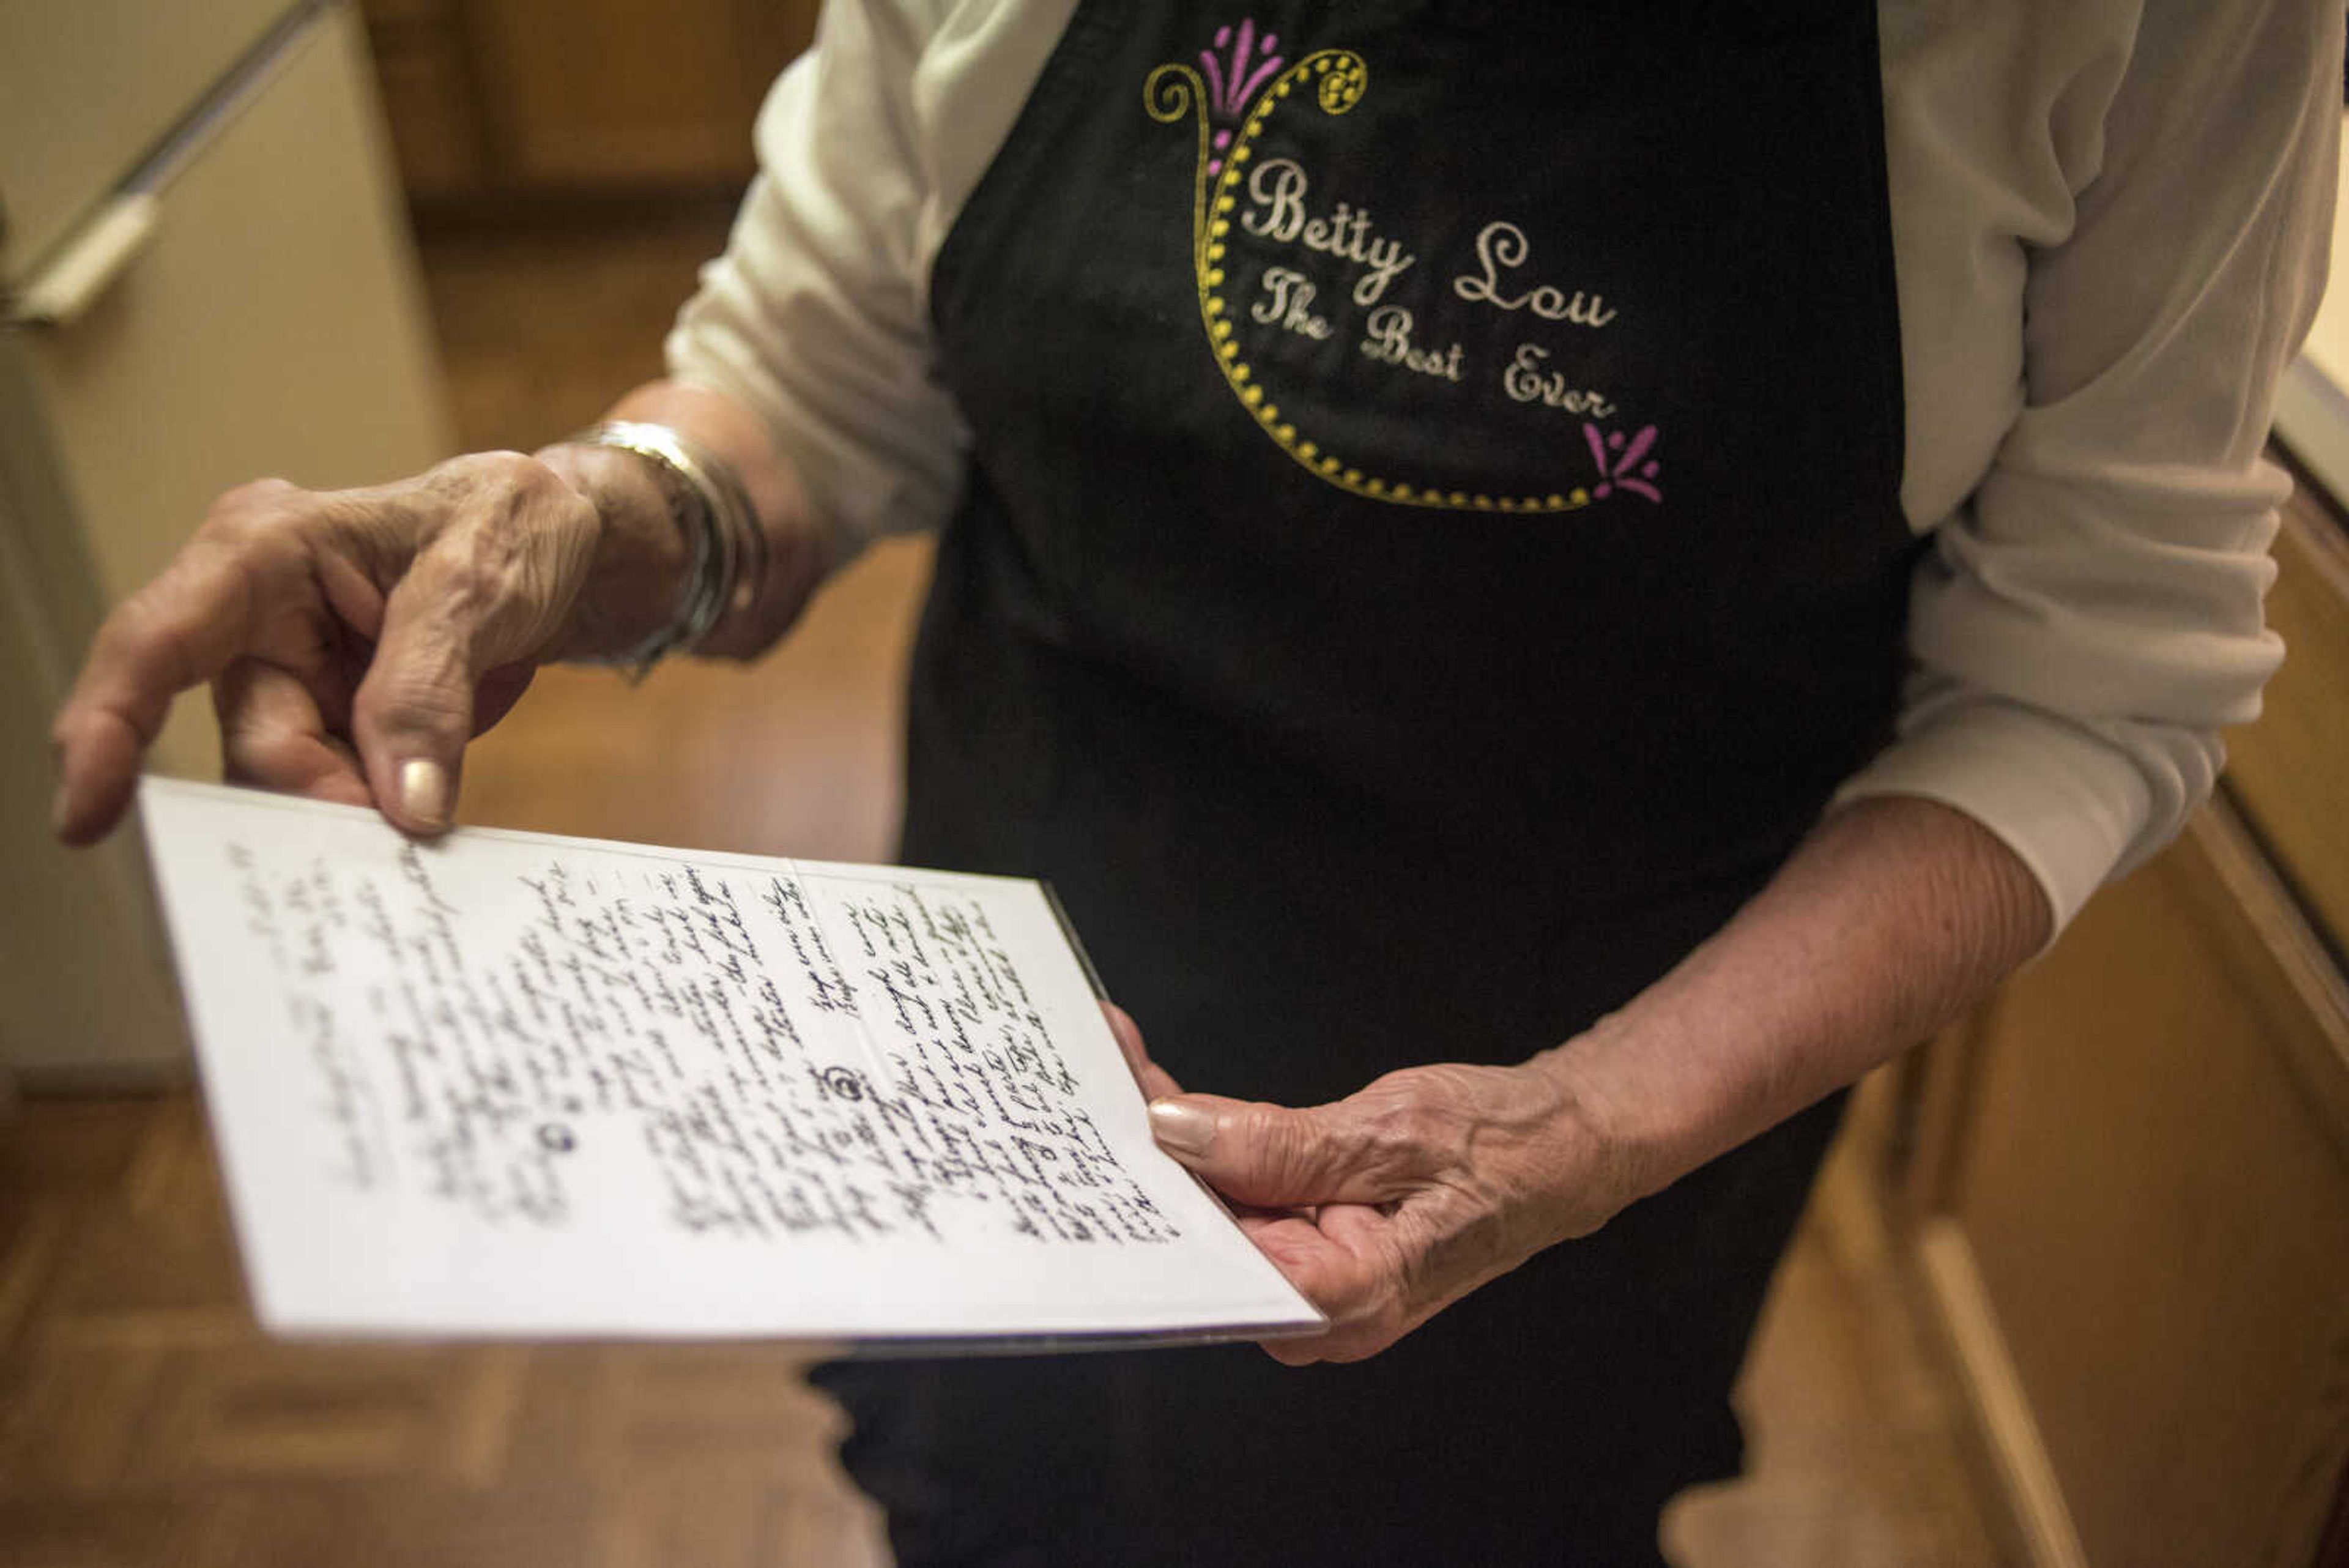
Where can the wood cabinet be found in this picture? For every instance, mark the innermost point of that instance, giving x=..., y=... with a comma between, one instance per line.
x=2130, y=1175
x=2289, y=772
x=493, y=100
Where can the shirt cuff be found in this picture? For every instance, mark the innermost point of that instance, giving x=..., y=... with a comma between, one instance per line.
x=2070, y=806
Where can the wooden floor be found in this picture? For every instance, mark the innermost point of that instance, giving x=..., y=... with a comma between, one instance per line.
x=143, y=1420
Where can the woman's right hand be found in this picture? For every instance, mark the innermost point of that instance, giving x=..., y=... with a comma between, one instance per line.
x=357, y=639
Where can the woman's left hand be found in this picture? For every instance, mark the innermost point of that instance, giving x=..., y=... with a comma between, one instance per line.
x=1385, y=1208
x=1388, y=1206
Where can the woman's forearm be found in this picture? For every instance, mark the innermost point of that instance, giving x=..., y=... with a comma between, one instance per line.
x=637, y=576
x=1389, y=1205
x=1894, y=916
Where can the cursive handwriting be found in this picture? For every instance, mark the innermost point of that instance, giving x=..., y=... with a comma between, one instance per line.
x=1390, y=342
x=1278, y=189
x=1503, y=246
x=774, y=1054
x=1287, y=300
x=1526, y=381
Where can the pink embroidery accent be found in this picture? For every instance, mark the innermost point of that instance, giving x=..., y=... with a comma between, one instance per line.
x=1619, y=465
x=1231, y=92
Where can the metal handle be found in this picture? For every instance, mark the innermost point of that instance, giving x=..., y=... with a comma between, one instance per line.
x=87, y=265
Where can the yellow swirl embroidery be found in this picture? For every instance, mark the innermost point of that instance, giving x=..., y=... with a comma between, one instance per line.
x=1340, y=78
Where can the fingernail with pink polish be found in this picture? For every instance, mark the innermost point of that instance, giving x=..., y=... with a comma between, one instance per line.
x=1186, y=1129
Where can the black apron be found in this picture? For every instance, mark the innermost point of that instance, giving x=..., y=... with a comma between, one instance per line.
x=1431, y=546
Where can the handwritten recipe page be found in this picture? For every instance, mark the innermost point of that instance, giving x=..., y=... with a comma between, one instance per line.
x=511, y=1084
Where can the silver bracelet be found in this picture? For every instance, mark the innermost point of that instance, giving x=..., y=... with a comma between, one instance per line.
x=727, y=550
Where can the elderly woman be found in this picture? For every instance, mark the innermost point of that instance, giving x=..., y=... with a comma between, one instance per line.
x=1551, y=585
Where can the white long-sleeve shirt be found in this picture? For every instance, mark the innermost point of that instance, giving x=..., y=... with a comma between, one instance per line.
x=2109, y=221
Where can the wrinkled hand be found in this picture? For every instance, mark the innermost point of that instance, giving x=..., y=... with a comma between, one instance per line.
x=355, y=640
x=1389, y=1205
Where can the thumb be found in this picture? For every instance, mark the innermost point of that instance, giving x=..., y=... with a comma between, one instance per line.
x=1273, y=1156
x=445, y=647
x=413, y=713
x=491, y=588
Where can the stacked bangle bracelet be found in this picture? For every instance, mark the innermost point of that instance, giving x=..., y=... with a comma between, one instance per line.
x=725, y=549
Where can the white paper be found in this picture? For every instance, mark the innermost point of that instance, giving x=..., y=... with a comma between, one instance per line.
x=513, y=1083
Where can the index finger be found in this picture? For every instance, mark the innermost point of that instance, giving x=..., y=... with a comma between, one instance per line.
x=1155, y=1080
x=1341, y=1260
x=177, y=632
